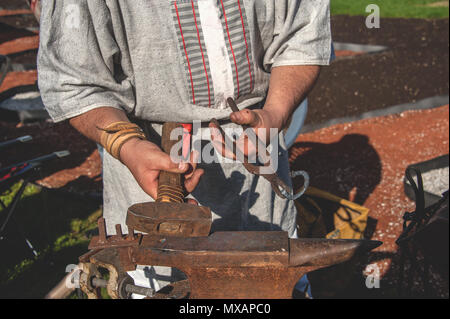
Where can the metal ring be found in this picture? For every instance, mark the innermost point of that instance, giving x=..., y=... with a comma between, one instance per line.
x=302, y=190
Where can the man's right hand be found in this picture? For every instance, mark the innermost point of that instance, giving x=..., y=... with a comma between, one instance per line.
x=145, y=160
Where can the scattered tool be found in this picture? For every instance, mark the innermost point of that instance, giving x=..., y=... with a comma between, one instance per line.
x=22, y=139
x=25, y=171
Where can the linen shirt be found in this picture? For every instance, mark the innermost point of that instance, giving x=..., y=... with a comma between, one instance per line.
x=150, y=58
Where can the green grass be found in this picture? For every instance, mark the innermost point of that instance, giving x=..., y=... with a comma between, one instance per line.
x=391, y=8
x=58, y=225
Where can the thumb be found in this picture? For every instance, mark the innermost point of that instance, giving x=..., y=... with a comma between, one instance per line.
x=245, y=117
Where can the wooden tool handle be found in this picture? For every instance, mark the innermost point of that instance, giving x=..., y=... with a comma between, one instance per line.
x=170, y=186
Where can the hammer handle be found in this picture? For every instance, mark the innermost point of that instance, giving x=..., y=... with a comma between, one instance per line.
x=170, y=186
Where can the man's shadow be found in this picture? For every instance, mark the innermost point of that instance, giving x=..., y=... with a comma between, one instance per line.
x=350, y=168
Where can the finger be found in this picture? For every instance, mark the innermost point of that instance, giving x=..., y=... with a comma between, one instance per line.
x=149, y=184
x=192, y=182
x=246, y=145
x=192, y=164
x=219, y=144
x=245, y=117
x=216, y=135
x=162, y=162
x=192, y=201
x=217, y=139
x=195, y=155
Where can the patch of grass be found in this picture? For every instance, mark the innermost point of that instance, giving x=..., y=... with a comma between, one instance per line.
x=58, y=225
x=391, y=8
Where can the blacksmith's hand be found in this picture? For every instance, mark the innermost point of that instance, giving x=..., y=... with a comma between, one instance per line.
x=254, y=119
x=145, y=160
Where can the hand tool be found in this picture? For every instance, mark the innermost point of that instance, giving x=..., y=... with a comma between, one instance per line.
x=278, y=185
x=170, y=215
x=22, y=139
x=12, y=174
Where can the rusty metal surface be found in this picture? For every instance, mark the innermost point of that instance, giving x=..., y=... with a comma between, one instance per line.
x=227, y=265
x=245, y=283
x=170, y=219
x=243, y=249
x=177, y=290
x=89, y=272
x=118, y=240
x=326, y=252
x=115, y=261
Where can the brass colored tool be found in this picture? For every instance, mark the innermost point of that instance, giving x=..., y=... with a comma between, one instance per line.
x=170, y=215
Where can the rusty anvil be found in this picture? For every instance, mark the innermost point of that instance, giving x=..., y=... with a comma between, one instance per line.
x=227, y=265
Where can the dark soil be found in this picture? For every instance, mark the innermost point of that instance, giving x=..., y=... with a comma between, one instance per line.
x=13, y=4
x=21, y=21
x=415, y=67
x=10, y=31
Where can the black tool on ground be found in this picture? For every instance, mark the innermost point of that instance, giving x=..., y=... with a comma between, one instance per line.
x=9, y=143
x=425, y=232
x=25, y=171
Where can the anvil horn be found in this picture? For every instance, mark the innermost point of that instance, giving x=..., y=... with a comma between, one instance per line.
x=326, y=252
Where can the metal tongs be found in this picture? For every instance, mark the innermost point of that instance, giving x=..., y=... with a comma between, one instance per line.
x=278, y=185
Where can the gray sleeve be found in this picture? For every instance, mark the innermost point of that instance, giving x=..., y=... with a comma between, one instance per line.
x=302, y=34
x=79, y=61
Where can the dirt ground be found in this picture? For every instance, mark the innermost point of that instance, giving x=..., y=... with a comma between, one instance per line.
x=415, y=67
x=362, y=161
